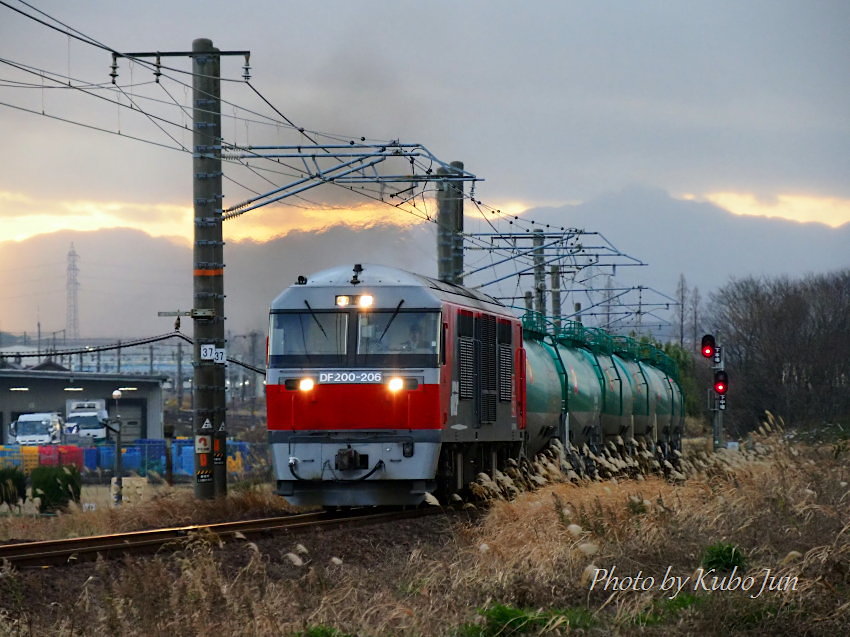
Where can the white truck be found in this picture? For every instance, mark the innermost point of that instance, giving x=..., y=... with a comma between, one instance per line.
x=86, y=418
x=43, y=428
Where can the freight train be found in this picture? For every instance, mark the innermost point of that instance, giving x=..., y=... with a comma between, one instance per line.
x=383, y=385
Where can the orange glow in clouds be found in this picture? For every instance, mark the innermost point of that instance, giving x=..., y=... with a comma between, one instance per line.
x=831, y=211
x=22, y=217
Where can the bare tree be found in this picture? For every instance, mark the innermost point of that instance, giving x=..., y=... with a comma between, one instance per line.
x=681, y=307
x=695, y=316
x=786, y=347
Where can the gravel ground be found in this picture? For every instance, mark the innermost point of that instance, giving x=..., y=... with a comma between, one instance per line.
x=376, y=552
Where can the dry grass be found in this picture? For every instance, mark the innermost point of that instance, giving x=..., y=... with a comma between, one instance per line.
x=521, y=569
x=164, y=506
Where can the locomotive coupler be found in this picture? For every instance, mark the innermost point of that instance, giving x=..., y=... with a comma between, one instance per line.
x=349, y=459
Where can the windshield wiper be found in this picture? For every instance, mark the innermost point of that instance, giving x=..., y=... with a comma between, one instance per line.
x=315, y=318
x=390, y=322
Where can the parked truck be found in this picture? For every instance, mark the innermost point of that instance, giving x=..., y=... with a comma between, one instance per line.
x=86, y=418
x=43, y=428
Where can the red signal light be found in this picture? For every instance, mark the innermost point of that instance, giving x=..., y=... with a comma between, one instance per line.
x=708, y=346
x=721, y=382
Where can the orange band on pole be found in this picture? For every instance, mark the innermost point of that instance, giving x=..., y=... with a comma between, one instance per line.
x=217, y=272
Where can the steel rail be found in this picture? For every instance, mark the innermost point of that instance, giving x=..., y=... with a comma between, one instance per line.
x=73, y=550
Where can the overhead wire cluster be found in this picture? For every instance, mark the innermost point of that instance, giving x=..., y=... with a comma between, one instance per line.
x=413, y=199
x=119, y=345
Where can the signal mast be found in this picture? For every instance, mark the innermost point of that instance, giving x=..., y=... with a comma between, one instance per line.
x=717, y=394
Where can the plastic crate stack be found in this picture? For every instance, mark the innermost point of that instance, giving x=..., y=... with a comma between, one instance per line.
x=140, y=457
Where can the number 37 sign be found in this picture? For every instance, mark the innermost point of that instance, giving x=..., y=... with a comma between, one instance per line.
x=209, y=352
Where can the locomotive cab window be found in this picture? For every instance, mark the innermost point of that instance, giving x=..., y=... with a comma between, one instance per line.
x=308, y=338
x=410, y=337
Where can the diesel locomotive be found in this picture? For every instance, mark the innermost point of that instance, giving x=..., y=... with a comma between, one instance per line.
x=383, y=385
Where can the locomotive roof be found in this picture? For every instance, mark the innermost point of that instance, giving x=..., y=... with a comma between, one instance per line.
x=372, y=276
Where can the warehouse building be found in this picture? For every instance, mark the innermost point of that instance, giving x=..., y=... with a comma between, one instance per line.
x=47, y=387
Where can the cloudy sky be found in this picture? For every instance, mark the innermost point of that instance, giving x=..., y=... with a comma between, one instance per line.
x=741, y=104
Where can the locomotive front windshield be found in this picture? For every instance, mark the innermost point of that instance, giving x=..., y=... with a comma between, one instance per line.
x=350, y=338
x=397, y=333
x=304, y=338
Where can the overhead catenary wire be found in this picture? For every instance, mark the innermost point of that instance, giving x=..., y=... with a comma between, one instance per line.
x=409, y=205
x=92, y=349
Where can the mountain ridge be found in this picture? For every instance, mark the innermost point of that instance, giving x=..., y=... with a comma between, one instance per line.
x=126, y=276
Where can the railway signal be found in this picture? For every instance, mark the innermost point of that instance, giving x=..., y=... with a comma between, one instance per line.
x=721, y=382
x=708, y=346
x=716, y=400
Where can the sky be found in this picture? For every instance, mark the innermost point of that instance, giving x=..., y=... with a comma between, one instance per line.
x=738, y=104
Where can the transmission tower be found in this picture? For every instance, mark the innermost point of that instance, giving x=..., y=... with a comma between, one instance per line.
x=72, y=316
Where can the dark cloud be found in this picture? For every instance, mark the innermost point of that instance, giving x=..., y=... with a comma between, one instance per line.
x=548, y=101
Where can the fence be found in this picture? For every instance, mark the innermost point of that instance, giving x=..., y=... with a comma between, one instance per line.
x=141, y=457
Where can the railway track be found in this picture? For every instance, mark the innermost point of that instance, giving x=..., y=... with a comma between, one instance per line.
x=74, y=550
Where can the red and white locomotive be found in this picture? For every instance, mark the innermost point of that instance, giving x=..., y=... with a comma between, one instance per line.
x=381, y=382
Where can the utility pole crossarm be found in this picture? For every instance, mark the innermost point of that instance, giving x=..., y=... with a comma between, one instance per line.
x=343, y=164
x=567, y=251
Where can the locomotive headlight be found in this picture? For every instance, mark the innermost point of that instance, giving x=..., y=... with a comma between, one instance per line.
x=342, y=300
x=365, y=300
x=395, y=384
x=306, y=384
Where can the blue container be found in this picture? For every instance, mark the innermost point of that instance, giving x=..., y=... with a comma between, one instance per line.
x=187, y=460
x=152, y=447
x=176, y=460
x=90, y=458
x=153, y=455
x=106, y=458
x=131, y=459
x=10, y=456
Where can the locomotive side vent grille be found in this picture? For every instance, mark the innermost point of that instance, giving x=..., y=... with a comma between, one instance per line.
x=465, y=323
x=489, y=386
x=505, y=332
x=466, y=367
x=488, y=353
x=488, y=407
x=506, y=372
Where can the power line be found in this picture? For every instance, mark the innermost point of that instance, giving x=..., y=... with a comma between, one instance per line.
x=378, y=195
x=92, y=349
x=90, y=126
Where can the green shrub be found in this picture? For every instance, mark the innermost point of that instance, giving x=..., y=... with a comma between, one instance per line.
x=55, y=487
x=13, y=486
x=503, y=620
x=664, y=610
x=323, y=631
x=723, y=557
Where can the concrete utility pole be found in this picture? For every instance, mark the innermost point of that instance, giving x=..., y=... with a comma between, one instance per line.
x=72, y=312
x=179, y=376
x=450, y=226
x=208, y=398
x=208, y=274
x=539, y=274
x=555, y=283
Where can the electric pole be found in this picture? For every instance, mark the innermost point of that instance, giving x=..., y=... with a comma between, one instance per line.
x=208, y=387
x=72, y=286
x=208, y=274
